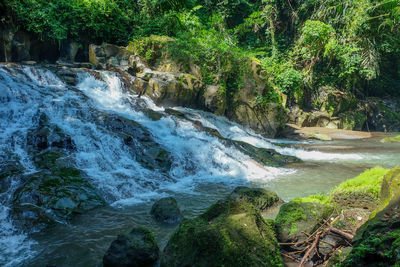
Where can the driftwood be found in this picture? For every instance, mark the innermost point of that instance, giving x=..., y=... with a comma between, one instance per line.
x=340, y=232
x=310, y=249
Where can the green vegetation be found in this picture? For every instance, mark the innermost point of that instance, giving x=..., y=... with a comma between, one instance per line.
x=391, y=139
x=369, y=181
x=349, y=45
x=229, y=233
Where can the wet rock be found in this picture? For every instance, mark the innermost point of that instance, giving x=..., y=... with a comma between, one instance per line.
x=260, y=198
x=8, y=171
x=48, y=135
x=166, y=210
x=137, y=248
x=268, y=157
x=297, y=219
x=148, y=153
x=54, y=194
x=229, y=233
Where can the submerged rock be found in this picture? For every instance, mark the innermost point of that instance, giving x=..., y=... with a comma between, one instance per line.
x=229, y=233
x=137, y=248
x=260, y=198
x=166, y=210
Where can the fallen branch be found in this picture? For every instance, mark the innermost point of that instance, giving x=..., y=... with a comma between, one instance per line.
x=342, y=233
x=310, y=250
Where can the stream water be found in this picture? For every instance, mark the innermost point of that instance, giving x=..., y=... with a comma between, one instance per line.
x=204, y=170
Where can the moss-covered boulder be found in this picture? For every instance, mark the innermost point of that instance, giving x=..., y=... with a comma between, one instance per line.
x=377, y=242
x=229, y=233
x=360, y=192
x=301, y=217
x=166, y=210
x=54, y=194
x=260, y=198
x=137, y=248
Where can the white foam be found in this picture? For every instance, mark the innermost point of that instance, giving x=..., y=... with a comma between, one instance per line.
x=235, y=131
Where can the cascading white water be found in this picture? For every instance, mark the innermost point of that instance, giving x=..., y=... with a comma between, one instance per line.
x=198, y=158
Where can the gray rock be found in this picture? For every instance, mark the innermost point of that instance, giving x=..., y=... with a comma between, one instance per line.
x=166, y=210
x=138, y=248
x=260, y=198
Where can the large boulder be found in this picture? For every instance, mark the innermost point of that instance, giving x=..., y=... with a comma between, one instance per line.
x=260, y=198
x=54, y=194
x=299, y=218
x=229, y=233
x=166, y=210
x=137, y=248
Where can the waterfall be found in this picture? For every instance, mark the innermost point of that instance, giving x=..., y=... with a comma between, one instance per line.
x=197, y=157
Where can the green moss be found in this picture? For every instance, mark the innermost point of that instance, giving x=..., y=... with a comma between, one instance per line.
x=322, y=199
x=369, y=181
x=229, y=233
x=395, y=139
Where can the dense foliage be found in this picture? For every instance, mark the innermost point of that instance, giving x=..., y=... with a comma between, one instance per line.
x=349, y=45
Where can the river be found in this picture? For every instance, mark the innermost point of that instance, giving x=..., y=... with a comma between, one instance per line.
x=203, y=169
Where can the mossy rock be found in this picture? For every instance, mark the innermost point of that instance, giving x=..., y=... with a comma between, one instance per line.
x=390, y=188
x=229, y=233
x=395, y=139
x=298, y=218
x=268, y=157
x=54, y=194
x=377, y=242
x=360, y=192
x=137, y=248
x=260, y=198
x=166, y=210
